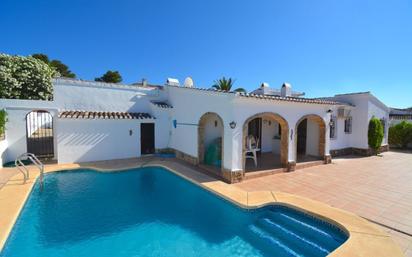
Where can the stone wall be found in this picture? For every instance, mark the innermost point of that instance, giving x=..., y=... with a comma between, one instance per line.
x=357, y=151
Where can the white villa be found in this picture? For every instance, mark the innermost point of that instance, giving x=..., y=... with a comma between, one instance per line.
x=93, y=121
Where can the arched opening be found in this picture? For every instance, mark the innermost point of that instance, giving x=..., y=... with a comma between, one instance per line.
x=310, y=138
x=39, y=134
x=270, y=131
x=210, y=141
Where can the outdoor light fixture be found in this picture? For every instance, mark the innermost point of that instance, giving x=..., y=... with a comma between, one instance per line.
x=232, y=125
x=329, y=111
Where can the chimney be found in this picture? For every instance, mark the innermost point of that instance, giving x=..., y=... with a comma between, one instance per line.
x=144, y=82
x=286, y=90
x=188, y=82
x=172, y=82
x=264, y=84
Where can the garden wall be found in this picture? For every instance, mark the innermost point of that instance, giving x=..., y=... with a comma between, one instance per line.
x=81, y=140
x=3, y=147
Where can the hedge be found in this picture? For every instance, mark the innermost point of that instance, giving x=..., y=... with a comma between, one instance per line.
x=375, y=134
x=400, y=135
x=3, y=120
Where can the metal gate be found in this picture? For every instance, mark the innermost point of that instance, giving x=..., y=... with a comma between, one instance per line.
x=39, y=131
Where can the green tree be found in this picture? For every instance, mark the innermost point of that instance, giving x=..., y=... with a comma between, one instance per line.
x=225, y=84
x=42, y=57
x=375, y=134
x=110, y=77
x=60, y=67
x=25, y=78
x=3, y=120
x=401, y=134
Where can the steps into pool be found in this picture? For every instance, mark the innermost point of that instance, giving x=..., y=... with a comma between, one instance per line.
x=291, y=236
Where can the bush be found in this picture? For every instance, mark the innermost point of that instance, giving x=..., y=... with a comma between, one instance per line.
x=400, y=135
x=375, y=134
x=3, y=120
x=25, y=78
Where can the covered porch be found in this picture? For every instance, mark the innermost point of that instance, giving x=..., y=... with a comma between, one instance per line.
x=265, y=144
x=267, y=139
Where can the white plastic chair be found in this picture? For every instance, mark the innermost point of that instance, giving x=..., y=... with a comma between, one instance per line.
x=252, y=148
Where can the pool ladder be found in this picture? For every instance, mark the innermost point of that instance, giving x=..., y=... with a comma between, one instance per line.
x=23, y=169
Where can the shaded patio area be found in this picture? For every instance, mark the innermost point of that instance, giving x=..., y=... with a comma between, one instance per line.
x=265, y=161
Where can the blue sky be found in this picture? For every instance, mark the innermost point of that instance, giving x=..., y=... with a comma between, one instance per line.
x=320, y=47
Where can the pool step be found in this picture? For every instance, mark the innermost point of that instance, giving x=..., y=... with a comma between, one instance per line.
x=307, y=228
x=297, y=235
x=276, y=242
x=297, y=239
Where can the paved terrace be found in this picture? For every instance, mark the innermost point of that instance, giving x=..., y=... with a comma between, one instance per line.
x=334, y=184
x=376, y=188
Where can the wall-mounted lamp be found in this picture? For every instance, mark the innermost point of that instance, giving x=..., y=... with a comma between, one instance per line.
x=232, y=125
x=329, y=111
x=130, y=132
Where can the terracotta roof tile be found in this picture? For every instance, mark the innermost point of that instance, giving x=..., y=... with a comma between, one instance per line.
x=269, y=97
x=103, y=115
x=293, y=99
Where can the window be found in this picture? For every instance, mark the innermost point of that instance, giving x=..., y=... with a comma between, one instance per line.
x=332, y=127
x=383, y=122
x=348, y=125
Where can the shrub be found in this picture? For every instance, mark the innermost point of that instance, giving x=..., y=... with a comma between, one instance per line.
x=400, y=135
x=25, y=78
x=3, y=120
x=375, y=134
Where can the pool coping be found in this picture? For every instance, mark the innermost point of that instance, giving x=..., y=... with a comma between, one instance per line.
x=364, y=238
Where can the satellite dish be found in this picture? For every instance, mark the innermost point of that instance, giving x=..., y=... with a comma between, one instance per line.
x=188, y=82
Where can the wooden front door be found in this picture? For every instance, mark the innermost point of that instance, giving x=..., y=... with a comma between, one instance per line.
x=147, y=138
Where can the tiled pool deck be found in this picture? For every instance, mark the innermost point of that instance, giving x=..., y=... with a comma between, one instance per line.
x=366, y=239
x=376, y=188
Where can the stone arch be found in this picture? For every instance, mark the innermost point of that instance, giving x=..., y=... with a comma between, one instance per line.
x=201, y=135
x=284, y=138
x=322, y=132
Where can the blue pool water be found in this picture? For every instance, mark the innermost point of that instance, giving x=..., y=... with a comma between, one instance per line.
x=153, y=212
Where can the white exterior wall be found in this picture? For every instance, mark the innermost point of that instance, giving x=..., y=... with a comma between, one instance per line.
x=3, y=147
x=163, y=126
x=17, y=111
x=211, y=132
x=376, y=110
x=94, y=140
x=359, y=136
x=188, y=107
x=90, y=140
x=365, y=107
x=95, y=96
x=312, y=138
x=269, y=144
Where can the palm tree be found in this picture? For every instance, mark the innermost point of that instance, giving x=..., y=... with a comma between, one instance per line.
x=225, y=84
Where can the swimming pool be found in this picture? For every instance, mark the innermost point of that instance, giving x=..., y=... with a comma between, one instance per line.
x=153, y=212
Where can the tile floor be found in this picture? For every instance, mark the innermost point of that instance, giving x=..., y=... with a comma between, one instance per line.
x=378, y=188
